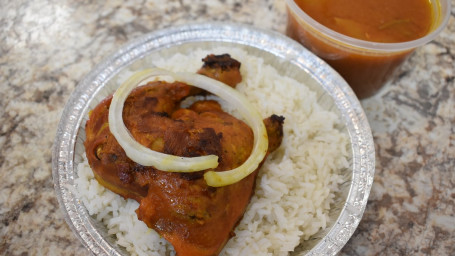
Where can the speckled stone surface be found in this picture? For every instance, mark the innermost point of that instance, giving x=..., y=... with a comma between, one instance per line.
x=48, y=46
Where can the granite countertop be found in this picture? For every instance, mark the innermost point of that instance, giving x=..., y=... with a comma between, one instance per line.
x=49, y=45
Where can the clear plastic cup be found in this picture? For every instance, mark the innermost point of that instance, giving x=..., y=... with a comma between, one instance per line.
x=366, y=66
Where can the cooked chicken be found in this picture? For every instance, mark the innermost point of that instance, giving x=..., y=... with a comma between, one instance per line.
x=222, y=68
x=195, y=218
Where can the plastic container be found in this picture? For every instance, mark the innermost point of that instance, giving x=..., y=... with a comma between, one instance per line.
x=366, y=66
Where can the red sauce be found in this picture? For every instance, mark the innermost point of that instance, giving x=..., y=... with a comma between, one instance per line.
x=385, y=21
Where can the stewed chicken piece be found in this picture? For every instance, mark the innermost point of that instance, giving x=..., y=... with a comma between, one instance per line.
x=195, y=218
x=222, y=68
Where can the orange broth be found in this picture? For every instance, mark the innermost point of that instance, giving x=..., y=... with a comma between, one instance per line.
x=384, y=21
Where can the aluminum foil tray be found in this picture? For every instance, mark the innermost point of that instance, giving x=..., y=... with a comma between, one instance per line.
x=287, y=56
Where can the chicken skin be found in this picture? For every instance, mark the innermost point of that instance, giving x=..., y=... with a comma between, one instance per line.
x=195, y=218
x=222, y=68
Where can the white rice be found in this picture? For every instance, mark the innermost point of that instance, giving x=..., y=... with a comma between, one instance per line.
x=295, y=186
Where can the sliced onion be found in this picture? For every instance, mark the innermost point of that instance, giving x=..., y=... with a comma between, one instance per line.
x=139, y=153
x=252, y=118
x=164, y=162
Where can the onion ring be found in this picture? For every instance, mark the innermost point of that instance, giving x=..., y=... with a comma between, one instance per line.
x=165, y=162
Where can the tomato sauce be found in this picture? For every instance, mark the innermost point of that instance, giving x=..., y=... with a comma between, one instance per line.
x=384, y=21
